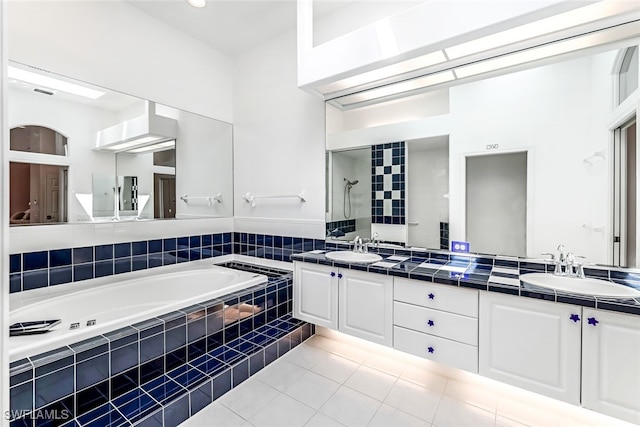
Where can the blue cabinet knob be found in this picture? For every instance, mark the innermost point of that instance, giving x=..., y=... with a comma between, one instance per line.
x=431, y=349
x=574, y=317
x=430, y=322
x=592, y=321
x=431, y=296
x=339, y=275
x=333, y=274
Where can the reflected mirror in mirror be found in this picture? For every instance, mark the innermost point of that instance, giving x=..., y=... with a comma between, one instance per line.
x=395, y=191
x=159, y=152
x=568, y=130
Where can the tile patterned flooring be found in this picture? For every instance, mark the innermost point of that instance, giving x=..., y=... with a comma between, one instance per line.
x=329, y=381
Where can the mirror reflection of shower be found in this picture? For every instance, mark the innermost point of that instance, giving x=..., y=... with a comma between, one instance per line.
x=346, y=204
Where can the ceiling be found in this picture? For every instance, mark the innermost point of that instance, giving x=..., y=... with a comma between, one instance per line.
x=231, y=26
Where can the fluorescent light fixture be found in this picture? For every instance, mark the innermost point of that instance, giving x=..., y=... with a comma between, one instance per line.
x=52, y=83
x=397, y=88
x=546, y=51
x=133, y=143
x=198, y=3
x=583, y=15
x=161, y=146
x=385, y=72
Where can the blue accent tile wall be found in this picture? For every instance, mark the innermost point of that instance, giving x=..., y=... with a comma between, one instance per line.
x=388, y=183
x=33, y=270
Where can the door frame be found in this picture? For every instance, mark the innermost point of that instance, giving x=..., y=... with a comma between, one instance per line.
x=530, y=199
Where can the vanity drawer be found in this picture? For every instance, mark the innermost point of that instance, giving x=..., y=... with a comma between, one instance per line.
x=447, y=352
x=436, y=322
x=440, y=297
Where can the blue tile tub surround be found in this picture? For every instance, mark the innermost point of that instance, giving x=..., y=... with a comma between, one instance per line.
x=388, y=183
x=279, y=248
x=340, y=228
x=33, y=270
x=484, y=272
x=164, y=369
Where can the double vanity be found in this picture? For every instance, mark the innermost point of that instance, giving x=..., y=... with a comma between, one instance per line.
x=506, y=319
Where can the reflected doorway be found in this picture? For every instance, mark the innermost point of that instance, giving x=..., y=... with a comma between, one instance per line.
x=37, y=193
x=625, y=251
x=496, y=203
x=164, y=189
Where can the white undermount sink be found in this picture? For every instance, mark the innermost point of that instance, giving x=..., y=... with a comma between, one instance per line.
x=353, y=257
x=593, y=287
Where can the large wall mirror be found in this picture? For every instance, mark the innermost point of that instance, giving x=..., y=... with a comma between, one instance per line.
x=81, y=153
x=515, y=164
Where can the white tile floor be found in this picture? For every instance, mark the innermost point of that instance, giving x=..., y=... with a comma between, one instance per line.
x=332, y=382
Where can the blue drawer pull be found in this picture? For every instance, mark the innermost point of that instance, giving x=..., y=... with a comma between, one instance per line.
x=592, y=321
x=574, y=317
x=339, y=275
x=431, y=296
x=430, y=322
x=431, y=349
x=333, y=274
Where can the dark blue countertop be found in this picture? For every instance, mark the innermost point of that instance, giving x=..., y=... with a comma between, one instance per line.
x=486, y=273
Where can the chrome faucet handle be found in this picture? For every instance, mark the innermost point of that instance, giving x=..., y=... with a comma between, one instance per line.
x=579, y=267
x=570, y=259
x=553, y=257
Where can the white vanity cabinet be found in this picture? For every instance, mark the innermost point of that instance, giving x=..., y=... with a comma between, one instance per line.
x=366, y=306
x=315, y=294
x=436, y=322
x=354, y=302
x=611, y=363
x=532, y=344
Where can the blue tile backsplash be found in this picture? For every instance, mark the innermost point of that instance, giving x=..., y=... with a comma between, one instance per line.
x=161, y=370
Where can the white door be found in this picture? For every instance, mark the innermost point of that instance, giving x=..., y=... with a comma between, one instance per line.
x=496, y=203
x=531, y=344
x=611, y=364
x=366, y=306
x=315, y=294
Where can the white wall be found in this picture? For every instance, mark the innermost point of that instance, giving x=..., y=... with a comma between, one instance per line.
x=560, y=113
x=204, y=165
x=279, y=143
x=114, y=45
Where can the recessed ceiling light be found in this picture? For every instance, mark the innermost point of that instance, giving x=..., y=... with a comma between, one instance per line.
x=198, y=3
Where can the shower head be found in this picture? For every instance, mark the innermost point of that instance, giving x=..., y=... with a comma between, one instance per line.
x=351, y=183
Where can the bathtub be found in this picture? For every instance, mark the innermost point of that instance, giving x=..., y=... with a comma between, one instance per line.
x=124, y=301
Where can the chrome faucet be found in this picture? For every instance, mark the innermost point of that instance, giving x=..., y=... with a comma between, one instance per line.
x=375, y=240
x=357, y=244
x=565, y=263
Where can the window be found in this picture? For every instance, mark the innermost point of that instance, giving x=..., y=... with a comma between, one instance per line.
x=628, y=75
x=38, y=139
